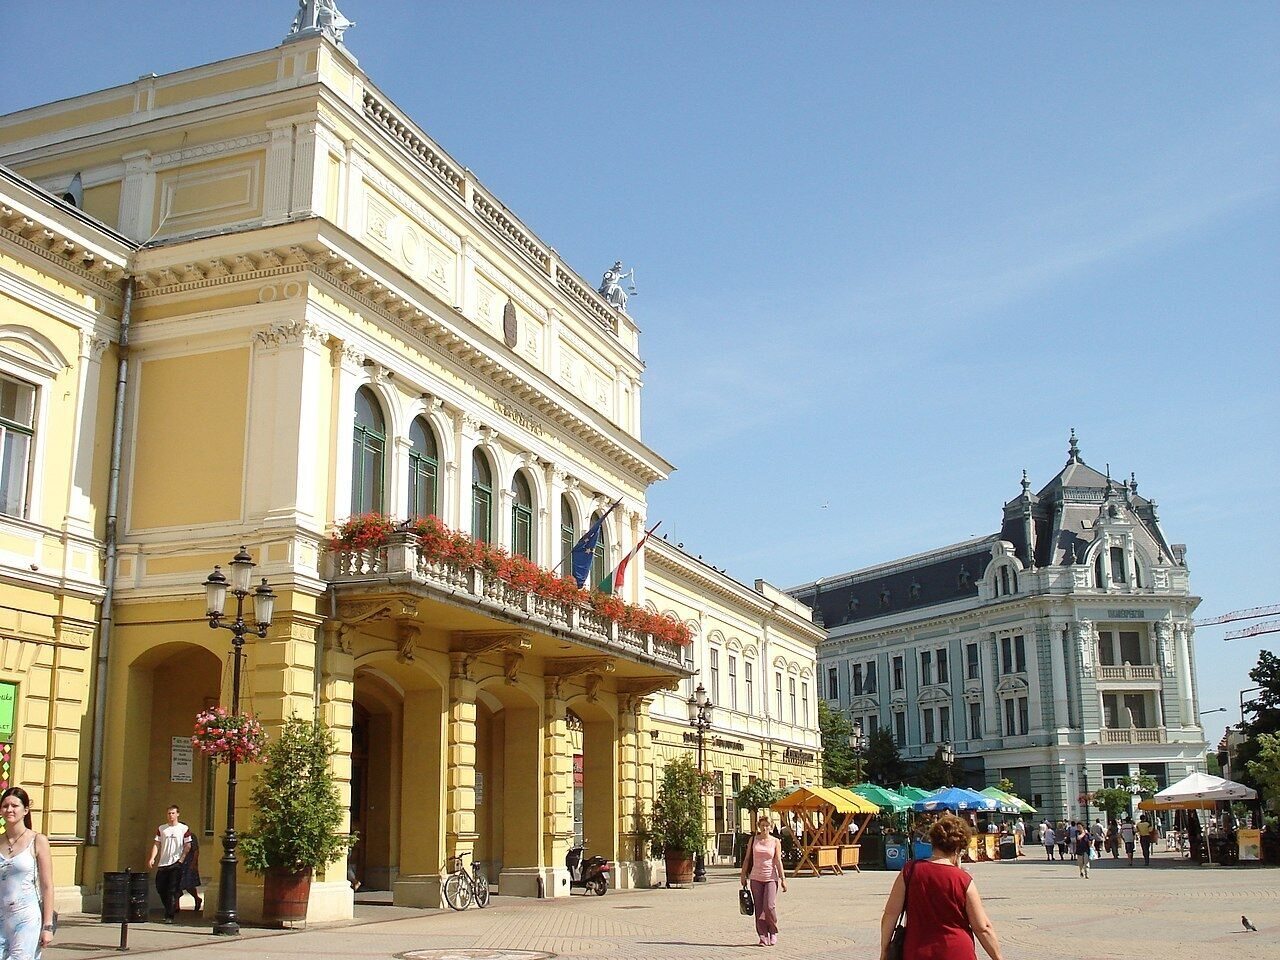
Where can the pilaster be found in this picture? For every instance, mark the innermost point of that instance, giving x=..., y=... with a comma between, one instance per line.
x=460, y=760
x=138, y=196
x=1058, y=672
x=557, y=790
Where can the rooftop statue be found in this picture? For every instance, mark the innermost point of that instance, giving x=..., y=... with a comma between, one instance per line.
x=319, y=16
x=611, y=286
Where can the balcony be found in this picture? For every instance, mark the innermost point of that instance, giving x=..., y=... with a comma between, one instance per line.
x=400, y=566
x=1133, y=735
x=1129, y=672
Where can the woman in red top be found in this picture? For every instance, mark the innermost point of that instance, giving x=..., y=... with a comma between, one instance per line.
x=944, y=911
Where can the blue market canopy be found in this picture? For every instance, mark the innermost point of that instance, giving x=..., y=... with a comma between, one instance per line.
x=955, y=799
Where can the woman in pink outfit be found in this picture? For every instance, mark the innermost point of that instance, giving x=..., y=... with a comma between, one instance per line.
x=762, y=866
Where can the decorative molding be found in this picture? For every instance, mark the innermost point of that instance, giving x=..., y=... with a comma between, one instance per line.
x=206, y=150
x=292, y=331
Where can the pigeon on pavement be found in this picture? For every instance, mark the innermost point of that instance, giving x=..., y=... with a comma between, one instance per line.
x=1248, y=925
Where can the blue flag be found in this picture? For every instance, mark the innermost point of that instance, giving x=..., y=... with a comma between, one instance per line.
x=584, y=550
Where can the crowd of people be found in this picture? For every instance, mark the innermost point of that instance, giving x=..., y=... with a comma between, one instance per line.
x=1077, y=838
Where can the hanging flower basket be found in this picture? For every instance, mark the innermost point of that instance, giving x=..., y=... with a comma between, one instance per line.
x=228, y=737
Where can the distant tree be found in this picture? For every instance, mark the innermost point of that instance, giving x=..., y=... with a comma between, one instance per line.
x=1265, y=771
x=884, y=764
x=1006, y=785
x=758, y=795
x=1144, y=785
x=935, y=772
x=1112, y=801
x=1262, y=715
x=838, y=767
x=1211, y=763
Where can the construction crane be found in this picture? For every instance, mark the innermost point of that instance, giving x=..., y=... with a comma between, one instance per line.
x=1253, y=630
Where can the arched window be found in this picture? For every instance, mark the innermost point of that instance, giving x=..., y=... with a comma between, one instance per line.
x=521, y=517
x=1008, y=581
x=481, y=497
x=369, y=455
x=1097, y=571
x=424, y=470
x=568, y=535
x=600, y=560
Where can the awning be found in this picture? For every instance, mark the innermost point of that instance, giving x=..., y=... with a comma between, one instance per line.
x=835, y=798
x=1198, y=791
x=882, y=797
x=1016, y=804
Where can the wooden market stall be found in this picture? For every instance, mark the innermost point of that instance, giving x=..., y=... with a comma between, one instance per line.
x=827, y=835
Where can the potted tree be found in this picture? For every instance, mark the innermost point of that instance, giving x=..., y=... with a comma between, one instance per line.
x=678, y=830
x=297, y=803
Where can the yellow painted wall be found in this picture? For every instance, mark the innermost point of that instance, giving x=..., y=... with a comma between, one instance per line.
x=188, y=461
x=103, y=202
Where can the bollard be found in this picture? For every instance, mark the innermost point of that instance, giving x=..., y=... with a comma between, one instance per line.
x=124, y=925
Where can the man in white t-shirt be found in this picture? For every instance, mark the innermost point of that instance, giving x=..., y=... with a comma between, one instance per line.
x=168, y=850
x=1126, y=835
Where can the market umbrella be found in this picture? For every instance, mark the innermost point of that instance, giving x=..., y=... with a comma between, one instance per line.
x=954, y=798
x=912, y=793
x=1008, y=802
x=883, y=797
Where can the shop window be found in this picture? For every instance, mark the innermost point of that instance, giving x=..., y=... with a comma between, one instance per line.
x=369, y=455
x=424, y=470
x=8, y=715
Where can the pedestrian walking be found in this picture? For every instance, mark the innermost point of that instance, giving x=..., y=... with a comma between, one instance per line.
x=190, y=882
x=1063, y=839
x=26, y=881
x=1126, y=835
x=1083, y=850
x=1019, y=835
x=944, y=911
x=168, y=850
x=762, y=868
x=1099, y=836
x=1113, y=839
x=1050, y=840
x=1146, y=835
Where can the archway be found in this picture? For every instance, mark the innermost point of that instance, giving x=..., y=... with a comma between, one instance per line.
x=593, y=733
x=509, y=787
x=397, y=784
x=167, y=685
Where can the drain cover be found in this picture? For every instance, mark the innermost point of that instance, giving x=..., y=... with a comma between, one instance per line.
x=456, y=953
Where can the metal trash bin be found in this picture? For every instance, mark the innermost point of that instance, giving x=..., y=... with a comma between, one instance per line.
x=124, y=896
x=895, y=855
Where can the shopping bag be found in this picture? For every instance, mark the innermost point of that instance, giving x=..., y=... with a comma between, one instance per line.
x=746, y=905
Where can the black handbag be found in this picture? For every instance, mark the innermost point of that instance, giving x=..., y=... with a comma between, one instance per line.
x=898, y=938
x=746, y=904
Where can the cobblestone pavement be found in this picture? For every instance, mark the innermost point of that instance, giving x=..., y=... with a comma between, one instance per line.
x=1042, y=911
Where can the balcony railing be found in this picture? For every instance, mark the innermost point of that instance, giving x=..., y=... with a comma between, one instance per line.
x=1135, y=735
x=401, y=556
x=1128, y=672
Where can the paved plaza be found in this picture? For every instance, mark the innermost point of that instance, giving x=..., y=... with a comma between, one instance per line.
x=1043, y=911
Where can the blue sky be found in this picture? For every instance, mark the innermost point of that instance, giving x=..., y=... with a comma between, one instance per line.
x=888, y=254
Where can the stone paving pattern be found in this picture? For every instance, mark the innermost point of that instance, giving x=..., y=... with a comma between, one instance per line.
x=1042, y=911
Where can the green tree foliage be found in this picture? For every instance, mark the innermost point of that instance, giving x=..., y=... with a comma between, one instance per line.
x=1144, y=785
x=884, y=764
x=1262, y=715
x=935, y=772
x=1265, y=771
x=758, y=795
x=1211, y=763
x=678, y=823
x=839, y=768
x=297, y=801
x=1112, y=801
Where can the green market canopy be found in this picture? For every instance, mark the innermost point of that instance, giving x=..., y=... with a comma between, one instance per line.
x=1008, y=802
x=883, y=797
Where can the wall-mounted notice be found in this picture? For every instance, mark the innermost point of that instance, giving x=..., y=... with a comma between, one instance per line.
x=181, y=760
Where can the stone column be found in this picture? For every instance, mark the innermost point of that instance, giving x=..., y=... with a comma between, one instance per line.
x=1058, y=670
x=460, y=760
x=991, y=720
x=1035, y=710
x=1186, y=696
x=557, y=791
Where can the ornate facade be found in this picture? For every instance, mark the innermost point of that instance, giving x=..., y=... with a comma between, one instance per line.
x=329, y=316
x=1058, y=653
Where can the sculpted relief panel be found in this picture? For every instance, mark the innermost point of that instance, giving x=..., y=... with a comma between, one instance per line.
x=409, y=244
x=585, y=379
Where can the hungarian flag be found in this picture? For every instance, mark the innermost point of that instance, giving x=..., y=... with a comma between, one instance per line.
x=584, y=550
x=614, y=581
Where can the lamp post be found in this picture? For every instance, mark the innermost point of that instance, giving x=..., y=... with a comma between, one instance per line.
x=700, y=711
x=948, y=754
x=857, y=743
x=227, y=921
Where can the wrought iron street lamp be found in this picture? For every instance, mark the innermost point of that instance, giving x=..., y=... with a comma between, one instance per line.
x=857, y=743
x=948, y=754
x=700, y=713
x=227, y=921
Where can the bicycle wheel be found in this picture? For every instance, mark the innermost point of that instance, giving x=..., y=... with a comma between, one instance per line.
x=481, y=890
x=457, y=891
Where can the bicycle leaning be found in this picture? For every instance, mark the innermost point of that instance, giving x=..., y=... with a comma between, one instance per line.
x=462, y=887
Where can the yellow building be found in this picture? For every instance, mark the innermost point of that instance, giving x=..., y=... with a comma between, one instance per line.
x=331, y=317
x=60, y=301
